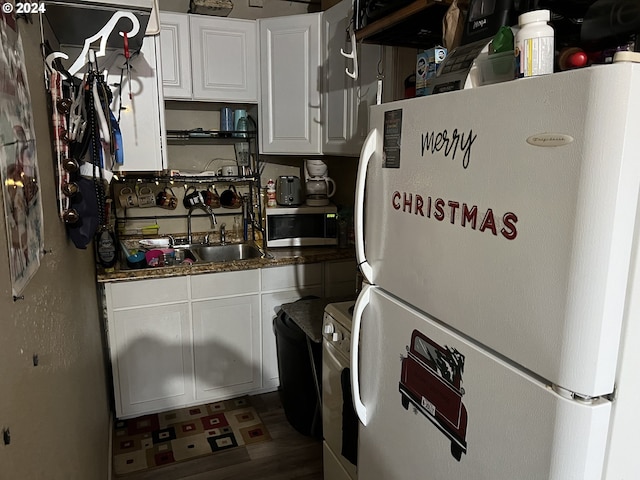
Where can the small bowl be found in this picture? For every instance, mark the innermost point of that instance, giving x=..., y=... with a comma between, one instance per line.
x=137, y=260
x=154, y=258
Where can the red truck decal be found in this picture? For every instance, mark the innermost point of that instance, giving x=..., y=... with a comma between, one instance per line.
x=431, y=380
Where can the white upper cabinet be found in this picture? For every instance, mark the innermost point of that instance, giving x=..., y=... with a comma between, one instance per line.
x=140, y=107
x=345, y=101
x=209, y=58
x=176, y=55
x=290, y=54
x=309, y=104
x=224, y=59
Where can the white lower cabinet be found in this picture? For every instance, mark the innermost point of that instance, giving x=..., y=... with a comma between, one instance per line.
x=226, y=346
x=150, y=345
x=182, y=341
x=153, y=358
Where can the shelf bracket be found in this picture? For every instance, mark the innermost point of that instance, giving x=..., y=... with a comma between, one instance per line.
x=103, y=36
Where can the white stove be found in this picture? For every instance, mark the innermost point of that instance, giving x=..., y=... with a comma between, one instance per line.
x=339, y=421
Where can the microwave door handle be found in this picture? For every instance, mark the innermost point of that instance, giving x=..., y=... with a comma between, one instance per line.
x=366, y=154
x=361, y=303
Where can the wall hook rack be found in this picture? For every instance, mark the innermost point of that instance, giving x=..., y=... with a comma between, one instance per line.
x=102, y=36
x=352, y=55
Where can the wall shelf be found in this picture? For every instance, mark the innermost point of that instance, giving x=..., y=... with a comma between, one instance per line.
x=199, y=135
x=72, y=21
x=417, y=25
x=200, y=179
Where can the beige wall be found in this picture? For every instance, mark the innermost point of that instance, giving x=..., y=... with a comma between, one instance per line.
x=57, y=412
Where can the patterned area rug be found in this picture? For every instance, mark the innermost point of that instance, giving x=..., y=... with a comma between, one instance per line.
x=161, y=439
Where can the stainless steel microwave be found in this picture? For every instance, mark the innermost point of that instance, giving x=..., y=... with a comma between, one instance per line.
x=301, y=226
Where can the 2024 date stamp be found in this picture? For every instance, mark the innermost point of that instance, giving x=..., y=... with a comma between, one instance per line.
x=23, y=8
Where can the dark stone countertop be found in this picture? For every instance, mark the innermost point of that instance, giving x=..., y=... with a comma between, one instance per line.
x=276, y=257
x=308, y=314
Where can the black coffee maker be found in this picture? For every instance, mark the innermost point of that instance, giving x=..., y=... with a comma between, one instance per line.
x=485, y=17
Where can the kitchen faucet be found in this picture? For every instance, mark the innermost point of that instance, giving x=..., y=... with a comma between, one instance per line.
x=223, y=234
x=204, y=207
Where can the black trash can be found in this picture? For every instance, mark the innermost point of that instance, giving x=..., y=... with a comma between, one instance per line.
x=298, y=391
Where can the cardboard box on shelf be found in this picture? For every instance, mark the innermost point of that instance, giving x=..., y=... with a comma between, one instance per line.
x=426, y=67
x=219, y=8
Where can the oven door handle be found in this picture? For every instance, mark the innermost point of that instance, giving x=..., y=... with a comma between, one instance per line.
x=361, y=303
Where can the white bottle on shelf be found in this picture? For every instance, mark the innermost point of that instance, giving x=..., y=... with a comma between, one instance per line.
x=535, y=44
x=271, y=193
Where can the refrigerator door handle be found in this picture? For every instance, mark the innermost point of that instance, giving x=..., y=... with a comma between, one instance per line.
x=366, y=154
x=361, y=303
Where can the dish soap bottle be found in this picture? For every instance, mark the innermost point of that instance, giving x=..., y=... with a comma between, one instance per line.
x=106, y=251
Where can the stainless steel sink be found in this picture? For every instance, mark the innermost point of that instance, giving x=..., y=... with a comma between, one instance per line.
x=225, y=253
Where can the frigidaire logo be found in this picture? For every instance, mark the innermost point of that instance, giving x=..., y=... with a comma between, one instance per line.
x=549, y=140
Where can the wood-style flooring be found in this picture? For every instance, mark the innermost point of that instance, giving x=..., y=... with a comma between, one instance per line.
x=289, y=455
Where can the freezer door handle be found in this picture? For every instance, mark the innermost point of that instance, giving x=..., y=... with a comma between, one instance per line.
x=368, y=149
x=361, y=303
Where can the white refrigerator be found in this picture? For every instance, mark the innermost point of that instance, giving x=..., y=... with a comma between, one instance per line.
x=499, y=335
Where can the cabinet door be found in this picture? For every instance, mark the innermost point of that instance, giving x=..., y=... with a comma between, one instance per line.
x=142, y=112
x=340, y=278
x=225, y=284
x=226, y=335
x=151, y=358
x=270, y=307
x=289, y=277
x=141, y=293
x=290, y=62
x=176, y=55
x=224, y=59
x=345, y=101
